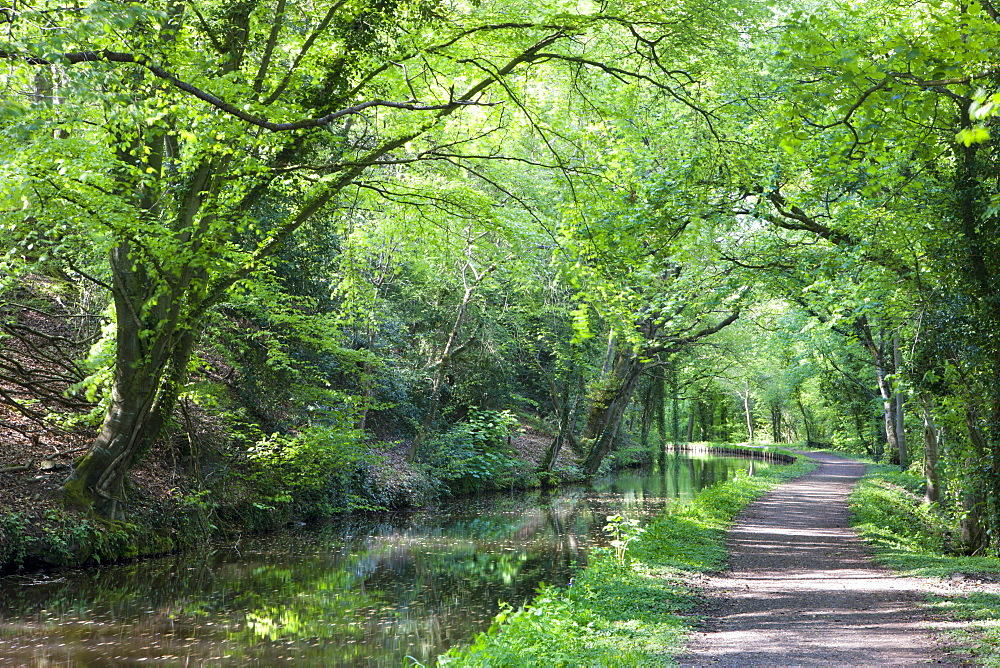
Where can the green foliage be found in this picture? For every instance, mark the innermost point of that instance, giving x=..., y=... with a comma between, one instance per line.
x=888, y=513
x=473, y=455
x=908, y=534
x=312, y=469
x=622, y=531
x=620, y=612
x=96, y=386
x=560, y=629
x=981, y=633
x=13, y=541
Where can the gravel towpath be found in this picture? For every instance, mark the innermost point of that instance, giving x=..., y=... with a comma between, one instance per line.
x=802, y=590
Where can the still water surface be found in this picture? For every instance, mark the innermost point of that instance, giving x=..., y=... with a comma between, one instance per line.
x=368, y=590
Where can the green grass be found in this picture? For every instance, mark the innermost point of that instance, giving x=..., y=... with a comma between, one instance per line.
x=632, y=612
x=912, y=537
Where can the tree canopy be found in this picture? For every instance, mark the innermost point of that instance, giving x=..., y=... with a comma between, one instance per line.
x=631, y=224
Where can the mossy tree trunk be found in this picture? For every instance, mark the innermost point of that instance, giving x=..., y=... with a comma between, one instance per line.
x=153, y=345
x=607, y=406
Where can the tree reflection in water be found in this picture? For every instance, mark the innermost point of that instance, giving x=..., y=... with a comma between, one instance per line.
x=362, y=591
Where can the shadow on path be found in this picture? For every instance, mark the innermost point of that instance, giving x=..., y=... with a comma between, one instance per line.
x=802, y=590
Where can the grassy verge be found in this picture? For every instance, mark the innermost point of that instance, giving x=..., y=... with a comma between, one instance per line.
x=628, y=607
x=912, y=537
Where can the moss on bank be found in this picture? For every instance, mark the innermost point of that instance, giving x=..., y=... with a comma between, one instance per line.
x=628, y=610
x=72, y=540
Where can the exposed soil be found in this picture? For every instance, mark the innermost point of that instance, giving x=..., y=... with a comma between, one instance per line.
x=803, y=590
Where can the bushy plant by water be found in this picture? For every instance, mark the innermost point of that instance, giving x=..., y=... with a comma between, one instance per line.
x=913, y=537
x=622, y=531
x=311, y=469
x=473, y=454
x=627, y=608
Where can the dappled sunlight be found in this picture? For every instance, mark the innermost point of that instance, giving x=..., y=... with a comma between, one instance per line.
x=803, y=590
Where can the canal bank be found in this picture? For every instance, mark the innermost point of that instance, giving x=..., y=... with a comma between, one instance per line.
x=369, y=589
x=167, y=513
x=631, y=607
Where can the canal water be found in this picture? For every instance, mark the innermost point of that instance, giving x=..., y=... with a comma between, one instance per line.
x=368, y=590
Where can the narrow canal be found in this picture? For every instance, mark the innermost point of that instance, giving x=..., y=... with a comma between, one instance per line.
x=368, y=590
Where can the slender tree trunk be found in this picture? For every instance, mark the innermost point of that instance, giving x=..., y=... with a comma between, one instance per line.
x=775, y=422
x=451, y=350
x=749, y=415
x=565, y=429
x=661, y=414
x=883, y=364
x=898, y=423
x=367, y=382
x=692, y=408
x=932, y=489
x=675, y=426
x=443, y=366
x=805, y=419
x=648, y=411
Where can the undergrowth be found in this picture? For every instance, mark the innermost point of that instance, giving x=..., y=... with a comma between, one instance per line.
x=913, y=537
x=631, y=607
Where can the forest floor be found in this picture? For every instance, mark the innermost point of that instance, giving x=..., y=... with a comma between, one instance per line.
x=803, y=590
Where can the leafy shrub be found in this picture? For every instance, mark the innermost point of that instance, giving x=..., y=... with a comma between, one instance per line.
x=474, y=454
x=622, y=531
x=908, y=534
x=13, y=542
x=886, y=511
x=311, y=469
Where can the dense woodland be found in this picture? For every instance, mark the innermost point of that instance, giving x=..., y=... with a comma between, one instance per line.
x=317, y=227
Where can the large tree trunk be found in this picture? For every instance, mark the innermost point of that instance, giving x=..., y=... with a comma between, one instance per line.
x=979, y=268
x=153, y=345
x=607, y=408
x=975, y=538
x=143, y=395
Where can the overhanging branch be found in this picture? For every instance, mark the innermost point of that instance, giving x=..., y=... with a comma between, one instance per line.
x=217, y=102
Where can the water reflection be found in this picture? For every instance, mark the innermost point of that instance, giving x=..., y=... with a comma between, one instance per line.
x=363, y=591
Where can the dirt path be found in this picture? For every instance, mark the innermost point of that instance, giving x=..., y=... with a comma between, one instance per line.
x=803, y=591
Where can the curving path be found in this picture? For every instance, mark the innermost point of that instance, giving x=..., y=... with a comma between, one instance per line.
x=802, y=590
